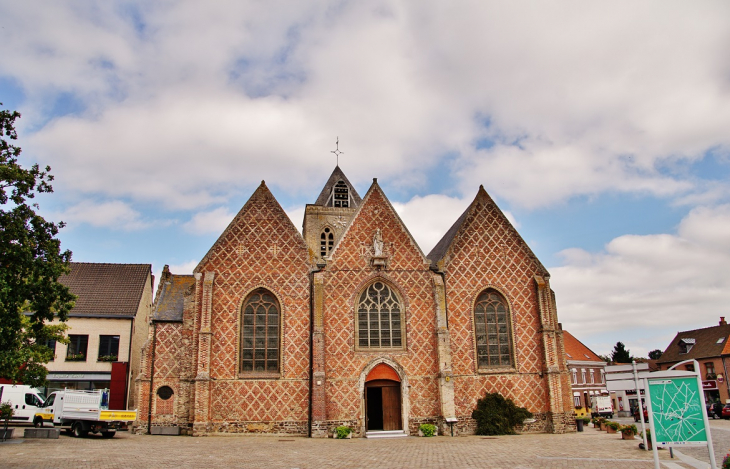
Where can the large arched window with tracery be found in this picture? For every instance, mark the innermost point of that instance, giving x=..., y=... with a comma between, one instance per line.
x=379, y=318
x=493, y=330
x=260, y=333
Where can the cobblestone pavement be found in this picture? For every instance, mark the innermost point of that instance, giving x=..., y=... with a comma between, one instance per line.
x=589, y=449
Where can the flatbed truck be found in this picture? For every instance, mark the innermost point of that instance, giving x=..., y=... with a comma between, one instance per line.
x=82, y=412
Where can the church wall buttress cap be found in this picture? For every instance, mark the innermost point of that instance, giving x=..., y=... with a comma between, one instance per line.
x=375, y=180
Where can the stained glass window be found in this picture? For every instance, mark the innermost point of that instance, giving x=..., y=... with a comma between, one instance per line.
x=379, y=318
x=260, y=333
x=493, y=331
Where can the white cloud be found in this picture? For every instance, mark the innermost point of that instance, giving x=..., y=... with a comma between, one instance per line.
x=186, y=268
x=115, y=215
x=581, y=98
x=214, y=221
x=657, y=283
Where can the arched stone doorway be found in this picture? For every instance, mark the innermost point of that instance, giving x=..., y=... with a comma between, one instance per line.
x=382, y=394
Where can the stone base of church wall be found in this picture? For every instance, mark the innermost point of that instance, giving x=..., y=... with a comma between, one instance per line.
x=415, y=422
x=543, y=422
x=285, y=427
x=326, y=428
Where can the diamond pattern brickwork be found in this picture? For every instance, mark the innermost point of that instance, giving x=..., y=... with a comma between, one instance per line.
x=259, y=249
x=347, y=274
x=488, y=252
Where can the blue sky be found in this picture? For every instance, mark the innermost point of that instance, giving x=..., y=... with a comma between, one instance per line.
x=600, y=128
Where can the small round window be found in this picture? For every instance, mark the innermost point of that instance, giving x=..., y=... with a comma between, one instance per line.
x=165, y=392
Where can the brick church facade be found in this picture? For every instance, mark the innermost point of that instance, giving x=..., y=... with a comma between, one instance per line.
x=350, y=323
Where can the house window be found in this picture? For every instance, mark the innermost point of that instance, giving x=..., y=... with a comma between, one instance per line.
x=576, y=401
x=326, y=242
x=710, y=369
x=260, y=333
x=685, y=345
x=493, y=330
x=575, y=376
x=603, y=376
x=108, y=348
x=690, y=367
x=583, y=375
x=593, y=379
x=51, y=344
x=76, y=350
x=341, y=195
x=379, y=318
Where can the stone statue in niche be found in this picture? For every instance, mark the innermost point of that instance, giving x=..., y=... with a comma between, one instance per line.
x=378, y=243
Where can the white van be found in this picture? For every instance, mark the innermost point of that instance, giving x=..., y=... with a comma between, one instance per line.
x=25, y=401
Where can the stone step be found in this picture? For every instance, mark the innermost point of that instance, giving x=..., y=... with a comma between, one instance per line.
x=385, y=434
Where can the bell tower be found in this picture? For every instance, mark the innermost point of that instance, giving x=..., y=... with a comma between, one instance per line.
x=327, y=218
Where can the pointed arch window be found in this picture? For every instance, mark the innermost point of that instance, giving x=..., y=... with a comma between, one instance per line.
x=326, y=242
x=260, y=333
x=380, y=322
x=493, y=331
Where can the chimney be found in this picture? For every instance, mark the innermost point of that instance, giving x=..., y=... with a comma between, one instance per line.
x=722, y=321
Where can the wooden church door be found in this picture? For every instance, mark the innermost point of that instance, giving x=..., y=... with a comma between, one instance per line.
x=383, y=399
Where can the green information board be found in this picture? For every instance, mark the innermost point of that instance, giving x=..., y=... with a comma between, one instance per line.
x=677, y=411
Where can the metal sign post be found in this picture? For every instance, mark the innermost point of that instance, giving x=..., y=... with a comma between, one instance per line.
x=641, y=406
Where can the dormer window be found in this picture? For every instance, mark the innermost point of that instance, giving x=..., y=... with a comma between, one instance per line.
x=341, y=195
x=685, y=345
x=326, y=242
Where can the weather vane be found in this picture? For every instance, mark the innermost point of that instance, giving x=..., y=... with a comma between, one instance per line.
x=337, y=151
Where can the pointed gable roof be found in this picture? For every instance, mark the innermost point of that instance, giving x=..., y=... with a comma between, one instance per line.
x=446, y=244
x=261, y=200
x=575, y=350
x=705, y=343
x=337, y=176
x=376, y=192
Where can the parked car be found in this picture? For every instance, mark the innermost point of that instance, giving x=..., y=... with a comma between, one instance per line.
x=714, y=410
x=726, y=412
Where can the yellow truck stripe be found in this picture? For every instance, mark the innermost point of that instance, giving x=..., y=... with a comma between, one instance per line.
x=119, y=415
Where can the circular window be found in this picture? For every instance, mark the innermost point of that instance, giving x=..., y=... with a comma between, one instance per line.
x=165, y=392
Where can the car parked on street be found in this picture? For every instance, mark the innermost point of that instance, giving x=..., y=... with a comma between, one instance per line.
x=726, y=412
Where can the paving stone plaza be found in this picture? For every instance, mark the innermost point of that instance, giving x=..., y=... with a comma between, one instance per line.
x=589, y=449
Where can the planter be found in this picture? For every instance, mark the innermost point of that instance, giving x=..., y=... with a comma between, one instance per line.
x=603, y=427
x=610, y=430
x=627, y=436
x=6, y=435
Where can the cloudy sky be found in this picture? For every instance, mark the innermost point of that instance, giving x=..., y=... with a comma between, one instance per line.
x=602, y=128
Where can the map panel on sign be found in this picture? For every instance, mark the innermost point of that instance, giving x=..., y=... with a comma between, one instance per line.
x=677, y=411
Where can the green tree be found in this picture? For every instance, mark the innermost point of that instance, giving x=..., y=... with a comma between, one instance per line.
x=31, y=262
x=655, y=354
x=620, y=354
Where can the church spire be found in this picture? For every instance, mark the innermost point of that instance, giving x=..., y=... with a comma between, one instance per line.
x=338, y=192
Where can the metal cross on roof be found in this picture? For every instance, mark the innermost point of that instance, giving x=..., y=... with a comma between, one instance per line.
x=337, y=151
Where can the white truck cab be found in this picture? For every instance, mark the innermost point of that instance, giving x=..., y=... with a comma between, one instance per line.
x=25, y=401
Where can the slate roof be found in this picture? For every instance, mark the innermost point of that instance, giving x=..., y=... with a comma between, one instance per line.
x=170, y=298
x=106, y=290
x=336, y=176
x=706, y=344
x=575, y=350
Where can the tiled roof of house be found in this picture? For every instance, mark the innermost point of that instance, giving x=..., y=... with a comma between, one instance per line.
x=171, y=297
x=112, y=290
x=704, y=343
x=337, y=175
x=575, y=350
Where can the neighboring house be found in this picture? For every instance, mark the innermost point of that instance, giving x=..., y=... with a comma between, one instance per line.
x=107, y=328
x=587, y=373
x=709, y=346
x=625, y=401
x=350, y=323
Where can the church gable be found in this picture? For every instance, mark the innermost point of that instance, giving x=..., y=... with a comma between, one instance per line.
x=260, y=233
x=485, y=238
x=377, y=238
